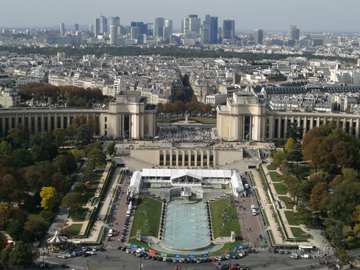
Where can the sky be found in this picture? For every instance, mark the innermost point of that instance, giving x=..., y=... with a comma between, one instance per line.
x=269, y=15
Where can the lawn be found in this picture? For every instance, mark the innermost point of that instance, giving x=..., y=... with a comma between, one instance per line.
x=290, y=216
x=227, y=216
x=297, y=232
x=274, y=177
x=286, y=200
x=72, y=230
x=35, y=217
x=149, y=210
x=80, y=216
x=271, y=167
x=280, y=189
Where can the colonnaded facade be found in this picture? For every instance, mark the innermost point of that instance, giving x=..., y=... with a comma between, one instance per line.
x=246, y=117
x=128, y=115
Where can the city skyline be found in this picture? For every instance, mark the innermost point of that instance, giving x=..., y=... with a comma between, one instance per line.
x=309, y=16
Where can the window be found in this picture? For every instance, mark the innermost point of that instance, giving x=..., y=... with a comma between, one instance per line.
x=105, y=119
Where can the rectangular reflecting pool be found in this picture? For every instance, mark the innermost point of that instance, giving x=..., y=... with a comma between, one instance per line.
x=186, y=226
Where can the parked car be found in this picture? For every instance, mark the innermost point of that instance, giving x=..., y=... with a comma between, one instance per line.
x=64, y=265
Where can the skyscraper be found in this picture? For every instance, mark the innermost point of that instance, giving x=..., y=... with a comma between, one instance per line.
x=213, y=30
x=294, y=33
x=228, y=29
x=103, y=24
x=258, y=36
x=191, y=23
x=142, y=27
x=134, y=32
x=158, y=23
x=96, y=27
x=62, y=28
x=76, y=27
x=207, y=21
x=168, y=28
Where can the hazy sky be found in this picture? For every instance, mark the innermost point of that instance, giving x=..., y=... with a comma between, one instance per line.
x=308, y=15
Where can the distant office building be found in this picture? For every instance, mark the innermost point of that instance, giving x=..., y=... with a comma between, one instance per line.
x=228, y=30
x=207, y=21
x=205, y=34
x=142, y=27
x=294, y=33
x=91, y=28
x=159, y=24
x=103, y=24
x=62, y=28
x=114, y=21
x=191, y=24
x=96, y=27
x=134, y=32
x=258, y=36
x=76, y=27
x=168, y=28
x=213, y=30
x=114, y=34
x=141, y=39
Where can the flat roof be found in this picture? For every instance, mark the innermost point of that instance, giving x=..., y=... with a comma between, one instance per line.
x=175, y=172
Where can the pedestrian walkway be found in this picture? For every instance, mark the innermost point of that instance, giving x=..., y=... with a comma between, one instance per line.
x=100, y=225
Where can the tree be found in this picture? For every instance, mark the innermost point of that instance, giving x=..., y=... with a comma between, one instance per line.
x=96, y=157
x=49, y=197
x=49, y=168
x=66, y=164
x=76, y=154
x=349, y=171
x=312, y=153
x=343, y=201
x=279, y=158
x=5, y=256
x=93, y=124
x=60, y=135
x=344, y=154
x=78, y=121
x=6, y=148
x=319, y=192
x=16, y=136
x=342, y=255
x=6, y=214
x=83, y=135
x=310, y=135
x=60, y=182
x=47, y=215
x=38, y=153
x=110, y=149
x=10, y=188
x=73, y=202
x=304, y=215
x=356, y=219
x=92, y=146
x=21, y=158
x=37, y=229
x=290, y=145
x=35, y=178
x=295, y=187
x=336, y=181
x=16, y=228
x=21, y=255
x=294, y=131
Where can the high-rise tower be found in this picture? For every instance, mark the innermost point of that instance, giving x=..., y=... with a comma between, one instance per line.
x=159, y=24
x=294, y=33
x=103, y=24
x=96, y=27
x=213, y=30
x=258, y=36
x=62, y=28
x=228, y=29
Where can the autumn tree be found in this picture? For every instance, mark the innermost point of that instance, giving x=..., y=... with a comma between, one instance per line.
x=290, y=145
x=76, y=154
x=319, y=192
x=34, y=229
x=60, y=182
x=35, y=178
x=48, y=197
x=279, y=158
x=93, y=124
x=304, y=215
x=356, y=219
x=66, y=164
x=310, y=135
x=78, y=122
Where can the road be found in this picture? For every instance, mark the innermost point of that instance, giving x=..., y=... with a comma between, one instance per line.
x=121, y=260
